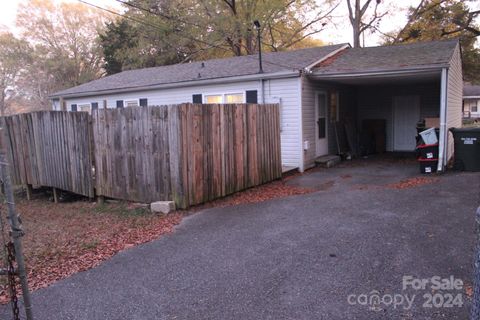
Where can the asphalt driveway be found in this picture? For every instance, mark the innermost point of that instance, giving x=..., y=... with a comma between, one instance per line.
x=305, y=257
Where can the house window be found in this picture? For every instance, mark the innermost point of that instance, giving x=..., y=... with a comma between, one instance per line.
x=234, y=98
x=84, y=107
x=131, y=103
x=218, y=98
x=225, y=98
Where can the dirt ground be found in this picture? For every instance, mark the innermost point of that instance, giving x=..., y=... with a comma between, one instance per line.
x=76, y=235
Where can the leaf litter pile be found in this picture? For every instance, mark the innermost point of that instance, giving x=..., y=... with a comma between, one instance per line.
x=65, y=238
x=412, y=182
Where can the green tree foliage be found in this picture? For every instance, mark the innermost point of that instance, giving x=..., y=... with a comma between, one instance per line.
x=163, y=32
x=119, y=37
x=445, y=19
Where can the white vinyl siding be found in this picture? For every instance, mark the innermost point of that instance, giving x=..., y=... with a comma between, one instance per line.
x=169, y=96
x=308, y=116
x=283, y=91
x=454, y=98
x=286, y=92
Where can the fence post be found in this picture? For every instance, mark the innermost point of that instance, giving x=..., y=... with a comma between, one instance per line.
x=28, y=188
x=475, y=313
x=55, y=195
x=16, y=231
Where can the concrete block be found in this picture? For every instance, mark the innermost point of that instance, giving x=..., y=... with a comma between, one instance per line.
x=162, y=206
x=328, y=161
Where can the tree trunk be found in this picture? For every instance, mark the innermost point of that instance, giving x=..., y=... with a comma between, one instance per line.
x=356, y=25
x=356, y=36
x=2, y=102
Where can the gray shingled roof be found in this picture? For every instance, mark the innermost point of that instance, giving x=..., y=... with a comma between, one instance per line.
x=212, y=69
x=395, y=57
x=471, y=90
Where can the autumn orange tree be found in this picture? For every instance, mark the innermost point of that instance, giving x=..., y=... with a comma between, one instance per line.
x=445, y=19
x=64, y=47
x=13, y=58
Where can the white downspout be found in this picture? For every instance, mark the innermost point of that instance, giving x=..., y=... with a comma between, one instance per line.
x=442, y=145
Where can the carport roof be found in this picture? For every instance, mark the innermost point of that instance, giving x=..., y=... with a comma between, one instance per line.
x=389, y=58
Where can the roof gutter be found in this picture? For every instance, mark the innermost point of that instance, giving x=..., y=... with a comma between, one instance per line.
x=276, y=75
x=471, y=97
x=328, y=76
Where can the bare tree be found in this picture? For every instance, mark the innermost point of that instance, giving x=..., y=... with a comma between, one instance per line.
x=357, y=14
x=12, y=61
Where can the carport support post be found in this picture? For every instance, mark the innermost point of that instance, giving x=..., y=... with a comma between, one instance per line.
x=442, y=143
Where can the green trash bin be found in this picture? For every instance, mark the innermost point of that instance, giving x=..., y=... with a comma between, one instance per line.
x=467, y=148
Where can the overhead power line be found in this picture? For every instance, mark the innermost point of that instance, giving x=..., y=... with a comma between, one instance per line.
x=142, y=22
x=163, y=15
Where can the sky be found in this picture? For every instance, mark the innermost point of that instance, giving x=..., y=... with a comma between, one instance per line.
x=338, y=31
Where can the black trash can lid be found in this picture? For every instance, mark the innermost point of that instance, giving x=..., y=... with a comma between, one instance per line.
x=473, y=129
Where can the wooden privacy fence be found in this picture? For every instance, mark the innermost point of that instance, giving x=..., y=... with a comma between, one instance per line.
x=51, y=148
x=189, y=153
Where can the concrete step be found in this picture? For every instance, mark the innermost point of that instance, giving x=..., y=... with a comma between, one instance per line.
x=328, y=161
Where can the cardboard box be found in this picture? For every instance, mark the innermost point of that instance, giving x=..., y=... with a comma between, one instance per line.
x=432, y=122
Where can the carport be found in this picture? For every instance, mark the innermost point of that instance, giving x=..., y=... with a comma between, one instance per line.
x=364, y=97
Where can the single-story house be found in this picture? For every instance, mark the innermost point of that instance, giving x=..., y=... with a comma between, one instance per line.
x=329, y=96
x=471, y=101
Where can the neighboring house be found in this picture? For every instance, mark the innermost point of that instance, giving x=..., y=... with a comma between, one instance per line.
x=471, y=101
x=317, y=89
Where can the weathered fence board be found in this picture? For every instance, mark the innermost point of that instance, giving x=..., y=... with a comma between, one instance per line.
x=51, y=148
x=189, y=153
x=132, y=153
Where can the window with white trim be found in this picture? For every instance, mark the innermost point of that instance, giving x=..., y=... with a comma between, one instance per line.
x=225, y=98
x=234, y=98
x=85, y=107
x=214, y=98
x=475, y=106
x=131, y=103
